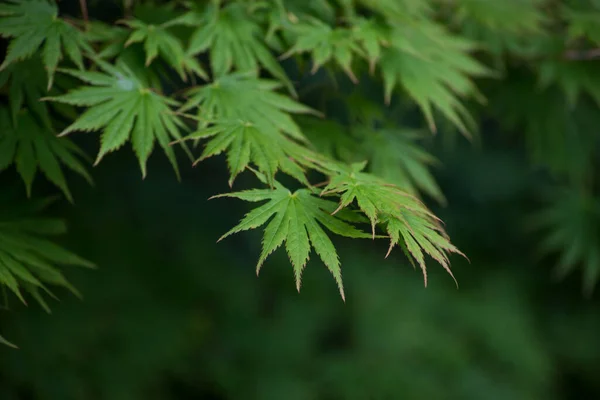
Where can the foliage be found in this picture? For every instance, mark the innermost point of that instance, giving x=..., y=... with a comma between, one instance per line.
x=252, y=122
x=571, y=223
x=125, y=109
x=158, y=40
x=34, y=23
x=234, y=40
x=174, y=73
x=28, y=259
x=407, y=221
x=297, y=220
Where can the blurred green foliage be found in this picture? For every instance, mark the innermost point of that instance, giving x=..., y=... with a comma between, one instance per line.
x=171, y=315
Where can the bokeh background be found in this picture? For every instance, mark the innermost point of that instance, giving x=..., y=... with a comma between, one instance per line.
x=171, y=314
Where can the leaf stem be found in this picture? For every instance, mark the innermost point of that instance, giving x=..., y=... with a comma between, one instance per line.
x=84, y=11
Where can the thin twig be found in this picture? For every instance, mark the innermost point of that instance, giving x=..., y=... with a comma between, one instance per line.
x=583, y=55
x=84, y=10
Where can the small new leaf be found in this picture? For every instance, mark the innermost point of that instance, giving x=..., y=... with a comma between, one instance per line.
x=325, y=44
x=124, y=109
x=297, y=219
x=159, y=41
x=35, y=23
x=31, y=146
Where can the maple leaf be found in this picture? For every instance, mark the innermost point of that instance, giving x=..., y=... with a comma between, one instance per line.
x=239, y=96
x=297, y=218
x=158, y=40
x=434, y=68
x=29, y=146
x=373, y=37
x=252, y=121
x=35, y=23
x=407, y=221
x=234, y=39
x=574, y=77
x=325, y=43
x=27, y=83
x=570, y=223
x=526, y=16
x=266, y=148
x=395, y=156
x=110, y=39
x=330, y=138
x=125, y=109
x=397, y=10
x=28, y=259
x=558, y=135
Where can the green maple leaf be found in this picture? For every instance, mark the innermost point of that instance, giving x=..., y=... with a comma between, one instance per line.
x=239, y=96
x=373, y=37
x=297, y=218
x=112, y=45
x=234, y=39
x=27, y=83
x=110, y=39
x=569, y=223
x=395, y=156
x=125, y=109
x=557, y=135
x=252, y=121
x=35, y=23
x=244, y=143
x=407, y=221
x=31, y=146
x=28, y=259
x=325, y=44
x=158, y=40
x=574, y=77
x=525, y=16
x=435, y=69
x=330, y=138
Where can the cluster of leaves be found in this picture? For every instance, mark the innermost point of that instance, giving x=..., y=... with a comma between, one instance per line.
x=28, y=258
x=570, y=223
x=118, y=79
x=238, y=112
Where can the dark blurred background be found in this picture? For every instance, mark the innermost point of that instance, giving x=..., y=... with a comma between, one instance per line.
x=170, y=314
